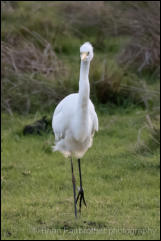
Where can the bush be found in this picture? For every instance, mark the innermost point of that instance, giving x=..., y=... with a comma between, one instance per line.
x=143, y=51
x=30, y=77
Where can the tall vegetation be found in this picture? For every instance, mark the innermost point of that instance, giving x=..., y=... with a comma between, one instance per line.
x=40, y=57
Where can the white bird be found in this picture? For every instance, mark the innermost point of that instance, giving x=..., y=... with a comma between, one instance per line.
x=75, y=121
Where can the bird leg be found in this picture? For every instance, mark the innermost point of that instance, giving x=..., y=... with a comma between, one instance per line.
x=74, y=191
x=81, y=191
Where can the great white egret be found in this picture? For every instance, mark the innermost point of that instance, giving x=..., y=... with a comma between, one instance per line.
x=75, y=121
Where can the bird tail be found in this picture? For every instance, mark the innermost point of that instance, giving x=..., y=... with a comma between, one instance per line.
x=64, y=152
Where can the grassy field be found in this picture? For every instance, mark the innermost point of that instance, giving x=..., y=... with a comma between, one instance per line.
x=40, y=65
x=121, y=183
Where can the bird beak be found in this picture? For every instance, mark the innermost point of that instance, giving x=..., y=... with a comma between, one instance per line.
x=83, y=56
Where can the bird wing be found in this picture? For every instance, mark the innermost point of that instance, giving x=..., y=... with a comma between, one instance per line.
x=65, y=111
x=58, y=124
x=94, y=118
x=62, y=116
x=95, y=122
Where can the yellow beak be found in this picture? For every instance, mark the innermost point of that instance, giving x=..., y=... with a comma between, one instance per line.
x=83, y=55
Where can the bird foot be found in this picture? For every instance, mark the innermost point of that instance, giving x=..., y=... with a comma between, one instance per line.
x=81, y=198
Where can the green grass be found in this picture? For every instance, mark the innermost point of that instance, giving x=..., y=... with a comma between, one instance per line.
x=121, y=180
x=121, y=185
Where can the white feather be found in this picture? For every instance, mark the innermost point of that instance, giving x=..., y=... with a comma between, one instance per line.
x=75, y=120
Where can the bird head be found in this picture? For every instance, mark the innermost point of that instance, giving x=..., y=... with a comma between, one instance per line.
x=86, y=52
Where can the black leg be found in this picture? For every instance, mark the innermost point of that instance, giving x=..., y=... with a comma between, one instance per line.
x=81, y=192
x=74, y=191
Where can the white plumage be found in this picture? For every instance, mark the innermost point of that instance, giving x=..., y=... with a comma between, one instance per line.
x=75, y=120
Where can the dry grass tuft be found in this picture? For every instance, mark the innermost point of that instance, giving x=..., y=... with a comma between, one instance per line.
x=143, y=51
x=27, y=58
x=30, y=75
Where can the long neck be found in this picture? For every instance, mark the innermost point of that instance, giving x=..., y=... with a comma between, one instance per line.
x=84, y=89
x=83, y=101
